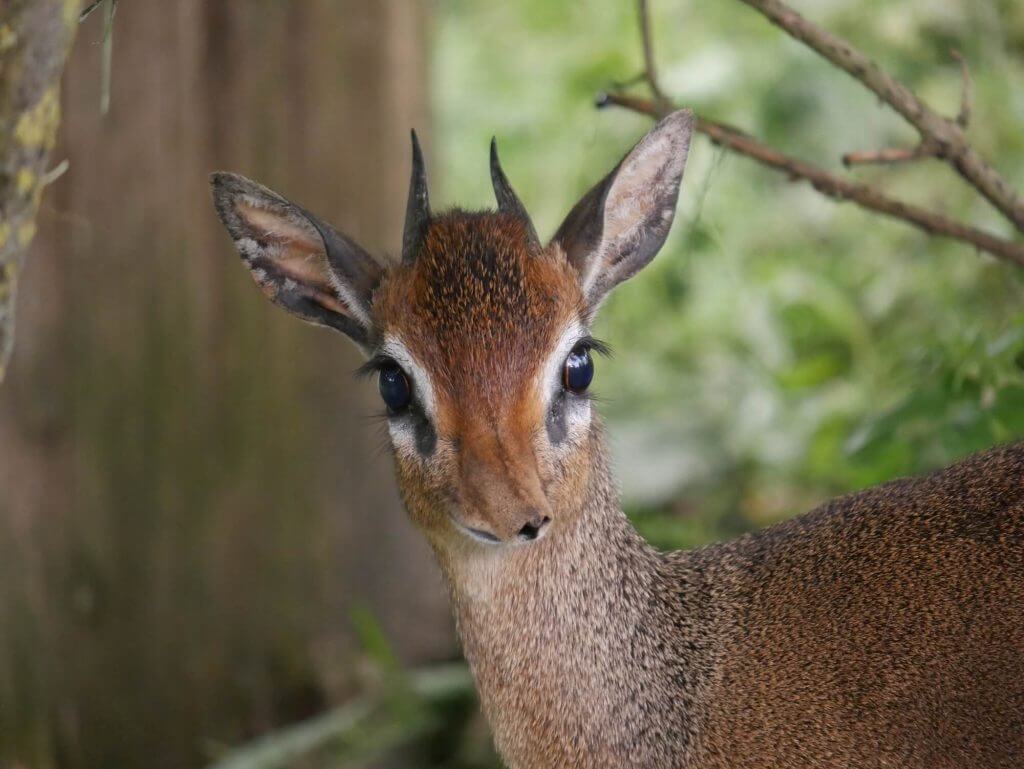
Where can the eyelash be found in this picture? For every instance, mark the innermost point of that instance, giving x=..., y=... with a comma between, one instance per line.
x=595, y=345
x=374, y=365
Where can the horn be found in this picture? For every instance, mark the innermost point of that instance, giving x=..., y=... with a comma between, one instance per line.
x=417, y=210
x=508, y=201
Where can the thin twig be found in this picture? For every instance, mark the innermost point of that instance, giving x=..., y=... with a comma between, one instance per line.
x=650, y=73
x=108, y=55
x=890, y=155
x=947, y=135
x=829, y=184
x=54, y=173
x=926, y=148
x=89, y=9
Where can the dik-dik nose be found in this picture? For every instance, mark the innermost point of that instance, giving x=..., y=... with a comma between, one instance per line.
x=501, y=495
x=534, y=527
x=525, y=526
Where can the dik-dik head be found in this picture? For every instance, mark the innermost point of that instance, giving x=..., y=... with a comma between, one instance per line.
x=480, y=336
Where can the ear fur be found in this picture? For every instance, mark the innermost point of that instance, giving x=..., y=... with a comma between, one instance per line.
x=299, y=262
x=622, y=222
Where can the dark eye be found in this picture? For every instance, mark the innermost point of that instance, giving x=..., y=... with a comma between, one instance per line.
x=394, y=388
x=579, y=370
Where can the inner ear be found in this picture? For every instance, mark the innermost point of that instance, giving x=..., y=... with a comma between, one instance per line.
x=622, y=222
x=295, y=251
x=299, y=262
x=299, y=235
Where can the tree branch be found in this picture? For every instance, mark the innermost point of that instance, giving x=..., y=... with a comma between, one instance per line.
x=829, y=184
x=35, y=36
x=825, y=182
x=926, y=148
x=947, y=135
x=890, y=155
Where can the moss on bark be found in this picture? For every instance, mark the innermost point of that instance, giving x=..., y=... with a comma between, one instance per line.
x=35, y=36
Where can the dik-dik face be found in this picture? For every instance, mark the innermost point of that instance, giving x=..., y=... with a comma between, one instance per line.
x=479, y=338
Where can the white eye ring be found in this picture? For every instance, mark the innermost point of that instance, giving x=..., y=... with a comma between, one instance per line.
x=419, y=380
x=552, y=371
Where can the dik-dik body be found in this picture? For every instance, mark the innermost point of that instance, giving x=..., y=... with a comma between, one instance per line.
x=884, y=629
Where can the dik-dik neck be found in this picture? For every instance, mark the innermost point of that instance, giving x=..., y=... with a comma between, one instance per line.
x=588, y=647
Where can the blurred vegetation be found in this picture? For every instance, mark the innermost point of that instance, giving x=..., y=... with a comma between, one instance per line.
x=429, y=717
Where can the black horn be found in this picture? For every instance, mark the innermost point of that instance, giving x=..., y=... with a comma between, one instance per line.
x=417, y=211
x=508, y=201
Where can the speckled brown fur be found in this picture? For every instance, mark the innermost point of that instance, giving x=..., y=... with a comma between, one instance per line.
x=885, y=628
x=477, y=303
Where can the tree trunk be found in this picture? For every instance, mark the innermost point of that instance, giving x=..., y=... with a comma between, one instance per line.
x=191, y=500
x=35, y=36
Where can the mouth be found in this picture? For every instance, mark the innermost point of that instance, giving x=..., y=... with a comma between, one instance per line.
x=484, y=537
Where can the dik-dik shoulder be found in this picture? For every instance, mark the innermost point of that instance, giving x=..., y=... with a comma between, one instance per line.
x=891, y=620
x=975, y=505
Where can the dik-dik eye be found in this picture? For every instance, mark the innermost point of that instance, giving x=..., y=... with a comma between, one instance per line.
x=578, y=370
x=395, y=388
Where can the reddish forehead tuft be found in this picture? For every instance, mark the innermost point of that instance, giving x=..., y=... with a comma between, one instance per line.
x=479, y=304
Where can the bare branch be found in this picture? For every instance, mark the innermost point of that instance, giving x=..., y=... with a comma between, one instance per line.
x=831, y=185
x=947, y=135
x=650, y=73
x=890, y=155
x=823, y=181
x=926, y=148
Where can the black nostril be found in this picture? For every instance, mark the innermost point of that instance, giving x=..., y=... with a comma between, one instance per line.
x=532, y=530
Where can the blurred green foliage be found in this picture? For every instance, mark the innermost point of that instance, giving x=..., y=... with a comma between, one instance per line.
x=782, y=349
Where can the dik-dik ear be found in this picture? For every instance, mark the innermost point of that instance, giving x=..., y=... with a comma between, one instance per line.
x=300, y=263
x=620, y=225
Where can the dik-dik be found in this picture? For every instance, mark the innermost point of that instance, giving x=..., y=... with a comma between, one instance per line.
x=883, y=629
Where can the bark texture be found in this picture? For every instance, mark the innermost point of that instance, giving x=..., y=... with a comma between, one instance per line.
x=35, y=36
x=191, y=504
